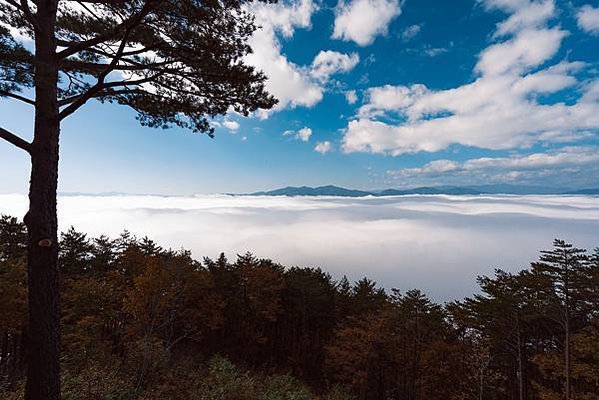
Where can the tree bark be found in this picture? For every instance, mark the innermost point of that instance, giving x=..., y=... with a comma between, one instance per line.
x=567, y=352
x=520, y=367
x=567, y=325
x=43, y=368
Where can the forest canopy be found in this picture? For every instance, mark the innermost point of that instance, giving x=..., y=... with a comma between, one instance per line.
x=143, y=322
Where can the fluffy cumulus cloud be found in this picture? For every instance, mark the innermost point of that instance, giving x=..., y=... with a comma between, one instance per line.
x=551, y=166
x=500, y=109
x=329, y=62
x=323, y=147
x=588, y=19
x=351, y=96
x=301, y=134
x=386, y=239
x=304, y=134
x=361, y=21
x=290, y=83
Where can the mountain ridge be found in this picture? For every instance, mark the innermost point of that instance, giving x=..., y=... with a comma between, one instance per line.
x=332, y=190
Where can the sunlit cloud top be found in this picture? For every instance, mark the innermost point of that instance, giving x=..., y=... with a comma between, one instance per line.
x=388, y=239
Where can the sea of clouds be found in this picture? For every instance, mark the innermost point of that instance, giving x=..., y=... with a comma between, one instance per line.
x=436, y=243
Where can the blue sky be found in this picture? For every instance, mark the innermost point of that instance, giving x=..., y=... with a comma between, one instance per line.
x=373, y=94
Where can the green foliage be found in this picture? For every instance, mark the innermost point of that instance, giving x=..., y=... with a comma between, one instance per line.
x=226, y=381
x=13, y=238
x=177, y=63
x=284, y=387
x=95, y=382
x=338, y=392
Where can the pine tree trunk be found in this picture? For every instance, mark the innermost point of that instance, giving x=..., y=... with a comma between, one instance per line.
x=43, y=369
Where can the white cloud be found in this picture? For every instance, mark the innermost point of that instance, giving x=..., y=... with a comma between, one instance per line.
x=351, y=96
x=469, y=235
x=323, y=147
x=231, y=125
x=530, y=48
x=588, y=19
x=516, y=166
x=290, y=83
x=505, y=5
x=388, y=98
x=434, y=51
x=591, y=92
x=532, y=15
x=330, y=62
x=410, y=32
x=304, y=134
x=361, y=21
x=499, y=110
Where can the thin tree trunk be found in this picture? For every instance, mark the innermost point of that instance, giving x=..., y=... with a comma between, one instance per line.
x=520, y=368
x=480, y=392
x=567, y=327
x=43, y=369
x=567, y=351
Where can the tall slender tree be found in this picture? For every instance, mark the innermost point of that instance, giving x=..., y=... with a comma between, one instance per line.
x=175, y=62
x=563, y=270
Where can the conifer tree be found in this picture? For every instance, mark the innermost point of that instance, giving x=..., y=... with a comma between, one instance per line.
x=562, y=270
x=174, y=62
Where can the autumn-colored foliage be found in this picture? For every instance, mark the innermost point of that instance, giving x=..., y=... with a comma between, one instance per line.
x=142, y=322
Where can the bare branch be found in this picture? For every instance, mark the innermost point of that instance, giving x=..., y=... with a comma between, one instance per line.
x=15, y=140
x=17, y=97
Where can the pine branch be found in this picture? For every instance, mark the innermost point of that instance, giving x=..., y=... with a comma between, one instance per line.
x=29, y=15
x=15, y=140
x=128, y=24
x=94, y=90
x=16, y=97
x=103, y=93
x=113, y=2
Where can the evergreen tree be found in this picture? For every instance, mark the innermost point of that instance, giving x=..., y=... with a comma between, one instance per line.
x=75, y=252
x=173, y=62
x=562, y=269
x=141, y=322
x=13, y=238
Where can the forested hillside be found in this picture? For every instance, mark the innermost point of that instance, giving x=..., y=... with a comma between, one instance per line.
x=143, y=322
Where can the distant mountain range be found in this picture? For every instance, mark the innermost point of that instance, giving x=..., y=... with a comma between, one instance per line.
x=331, y=190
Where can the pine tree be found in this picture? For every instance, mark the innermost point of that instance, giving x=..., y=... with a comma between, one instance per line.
x=13, y=238
x=75, y=252
x=562, y=268
x=173, y=62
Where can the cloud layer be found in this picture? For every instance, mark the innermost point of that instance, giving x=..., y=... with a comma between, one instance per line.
x=550, y=167
x=437, y=243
